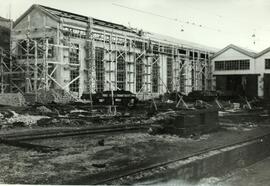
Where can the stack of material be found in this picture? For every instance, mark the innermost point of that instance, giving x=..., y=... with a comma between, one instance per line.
x=12, y=99
x=192, y=121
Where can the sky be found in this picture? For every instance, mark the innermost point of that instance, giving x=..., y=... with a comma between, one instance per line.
x=215, y=23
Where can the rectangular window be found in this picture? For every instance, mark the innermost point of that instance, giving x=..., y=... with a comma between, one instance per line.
x=74, y=73
x=155, y=75
x=267, y=63
x=74, y=86
x=232, y=65
x=139, y=73
x=121, y=71
x=193, y=65
x=182, y=76
x=169, y=74
x=99, y=63
x=74, y=54
x=25, y=47
x=219, y=65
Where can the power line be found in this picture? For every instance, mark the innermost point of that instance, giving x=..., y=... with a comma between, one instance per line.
x=191, y=23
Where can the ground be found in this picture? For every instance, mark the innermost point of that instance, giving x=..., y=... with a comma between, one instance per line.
x=81, y=157
x=85, y=160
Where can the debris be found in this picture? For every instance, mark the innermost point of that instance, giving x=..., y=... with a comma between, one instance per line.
x=50, y=96
x=22, y=120
x=102, y=165
x=43, y=110
x=236, y=106
x=101, y=142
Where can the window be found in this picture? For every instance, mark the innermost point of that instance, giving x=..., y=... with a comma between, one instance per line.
x=139, y=73
x=168, y=50
x=74, y=73
x=244, y=64
x=74, y=86
x=169, y=74
x=121, y=70
x=232, y=65
x=182, y=76
x=138, y=44
x=73, y=32
x=155, y=76
x=155, y=49
x=192, y=75
x=219, y=65
x=182, y=51
x=267, y=63
x=99, y=55
x=74, y=54
x=23, y=48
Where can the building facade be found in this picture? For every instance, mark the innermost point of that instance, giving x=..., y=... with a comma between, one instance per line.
x=238, y=71
x=5, y=26
x=55, y=49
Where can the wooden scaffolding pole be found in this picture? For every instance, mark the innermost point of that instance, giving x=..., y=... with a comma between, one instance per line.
x=2, y=69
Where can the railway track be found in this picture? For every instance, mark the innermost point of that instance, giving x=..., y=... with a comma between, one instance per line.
x=18, y=140
x=158, y=166
x=74, y=132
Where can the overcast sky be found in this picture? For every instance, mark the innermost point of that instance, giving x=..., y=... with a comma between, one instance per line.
x=215, y=23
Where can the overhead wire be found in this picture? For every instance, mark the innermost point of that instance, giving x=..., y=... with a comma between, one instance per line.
x=231, y=34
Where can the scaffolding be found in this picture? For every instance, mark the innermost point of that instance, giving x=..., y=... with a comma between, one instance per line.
x=94, y=56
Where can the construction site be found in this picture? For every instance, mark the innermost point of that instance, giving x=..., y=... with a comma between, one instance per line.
x=85, y=101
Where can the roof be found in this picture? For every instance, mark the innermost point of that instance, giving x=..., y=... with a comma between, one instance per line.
x=263, y=52
x=57, y=14
x=181, y=42
x=4, y=19
x=244, y=51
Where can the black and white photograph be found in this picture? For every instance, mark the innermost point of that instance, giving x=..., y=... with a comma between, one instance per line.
x=135, y=92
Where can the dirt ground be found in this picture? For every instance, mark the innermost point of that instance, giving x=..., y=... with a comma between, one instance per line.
x=90, y=158
x=81, y=160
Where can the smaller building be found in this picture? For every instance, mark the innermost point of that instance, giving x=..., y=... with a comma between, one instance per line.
x=239, y=71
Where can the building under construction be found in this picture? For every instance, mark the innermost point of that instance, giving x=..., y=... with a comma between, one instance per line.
x=55, y=49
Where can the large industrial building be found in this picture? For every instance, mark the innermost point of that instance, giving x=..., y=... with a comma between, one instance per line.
x=55, y=49
x=239, y=71
x=5, y=27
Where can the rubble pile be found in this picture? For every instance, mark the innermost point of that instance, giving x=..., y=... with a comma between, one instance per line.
x=49, y=96
x=12, y=119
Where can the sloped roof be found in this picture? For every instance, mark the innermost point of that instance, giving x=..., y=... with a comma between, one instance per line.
x=78, y=17
x=4, y=19
x=244, y=51
x=263, y=52
x=57, y=14
x=181, y=42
